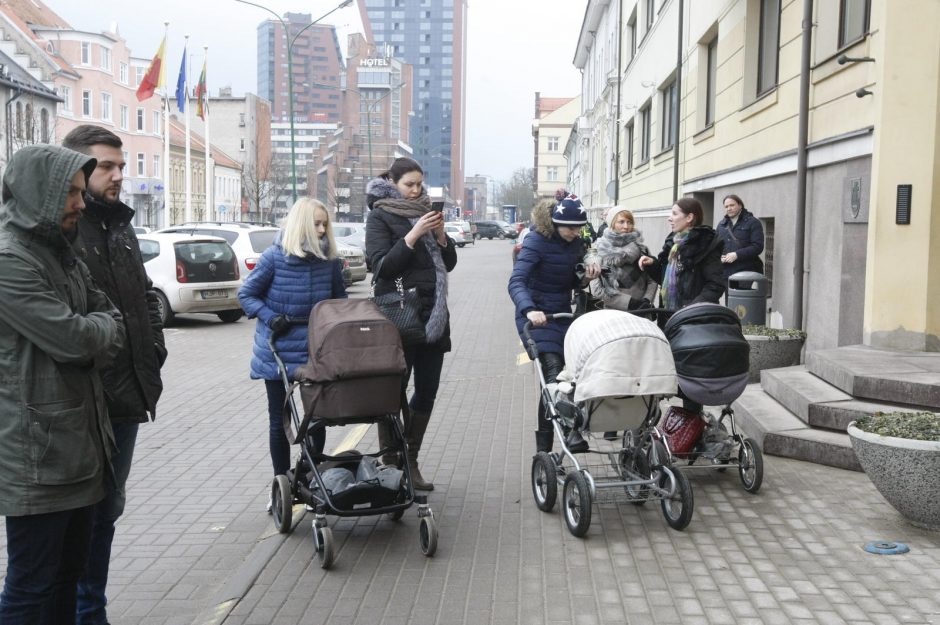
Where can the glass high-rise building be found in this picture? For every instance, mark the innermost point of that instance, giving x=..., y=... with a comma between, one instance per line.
x=431, y=36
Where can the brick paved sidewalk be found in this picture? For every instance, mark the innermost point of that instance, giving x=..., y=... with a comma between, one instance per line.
x=196, y=546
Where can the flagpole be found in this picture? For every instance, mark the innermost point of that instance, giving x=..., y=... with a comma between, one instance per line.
x=210, y=206
x=189, y=168
x=166, y=138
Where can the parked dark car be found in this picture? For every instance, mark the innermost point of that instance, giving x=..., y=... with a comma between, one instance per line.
x=495, y=230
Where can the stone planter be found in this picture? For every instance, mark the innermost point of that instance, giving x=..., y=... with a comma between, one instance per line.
x=906, y=472
x=772, y=352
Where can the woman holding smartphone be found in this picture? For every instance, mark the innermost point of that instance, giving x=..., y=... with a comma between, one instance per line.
x=405, y=240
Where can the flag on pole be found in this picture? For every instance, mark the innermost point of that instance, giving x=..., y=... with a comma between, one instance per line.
x=202, y=94
x=181, y=86
x=155, y=76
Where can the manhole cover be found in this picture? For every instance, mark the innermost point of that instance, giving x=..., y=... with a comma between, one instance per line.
x=886, y=548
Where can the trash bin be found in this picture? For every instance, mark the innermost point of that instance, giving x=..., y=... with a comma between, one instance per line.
x=747, y=296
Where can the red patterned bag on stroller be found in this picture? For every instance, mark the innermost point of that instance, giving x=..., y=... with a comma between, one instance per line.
x=682, y=429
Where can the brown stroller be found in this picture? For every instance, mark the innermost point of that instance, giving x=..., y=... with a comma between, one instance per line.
x=353, y=375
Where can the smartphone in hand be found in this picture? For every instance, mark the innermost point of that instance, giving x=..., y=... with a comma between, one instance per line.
x=437, y=207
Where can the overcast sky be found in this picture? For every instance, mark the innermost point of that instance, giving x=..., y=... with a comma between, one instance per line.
x=514, y=48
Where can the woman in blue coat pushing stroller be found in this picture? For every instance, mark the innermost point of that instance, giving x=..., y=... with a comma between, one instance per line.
x=297, y=271
x=542, y=281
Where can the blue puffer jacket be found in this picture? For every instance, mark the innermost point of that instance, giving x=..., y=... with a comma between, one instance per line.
x=543, y=279
x=286, y=285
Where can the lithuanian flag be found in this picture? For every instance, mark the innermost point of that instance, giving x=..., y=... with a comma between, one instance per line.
x=202, y=94
x=155, y=76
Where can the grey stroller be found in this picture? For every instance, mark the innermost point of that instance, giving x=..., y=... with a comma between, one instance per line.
x=618, y=368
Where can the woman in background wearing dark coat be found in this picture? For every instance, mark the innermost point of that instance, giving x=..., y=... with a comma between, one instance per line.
x=743, y=238
x=405, y=239
x=541, y=284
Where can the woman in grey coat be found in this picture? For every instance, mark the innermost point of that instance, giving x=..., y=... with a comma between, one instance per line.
x=622, y=286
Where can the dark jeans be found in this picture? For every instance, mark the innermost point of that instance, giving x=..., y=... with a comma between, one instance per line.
x=91, y=587
x=46, y=554
x=552, y=364
x=277, y=439
x=426, y=363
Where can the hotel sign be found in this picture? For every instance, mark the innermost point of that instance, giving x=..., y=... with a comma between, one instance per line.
x=373, y=63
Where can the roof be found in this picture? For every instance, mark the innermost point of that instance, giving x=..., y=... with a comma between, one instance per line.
x=544, y=106
x=19, y=79
x=35, y=12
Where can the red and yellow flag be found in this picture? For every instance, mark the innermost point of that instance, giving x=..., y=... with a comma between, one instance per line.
x=155, y=76
x=202, y=95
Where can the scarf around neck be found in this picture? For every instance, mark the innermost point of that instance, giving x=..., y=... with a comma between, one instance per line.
x=670, y=289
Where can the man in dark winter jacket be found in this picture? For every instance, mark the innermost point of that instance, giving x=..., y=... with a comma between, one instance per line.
x=57, y=330
x=109, y=247
x=743, y=238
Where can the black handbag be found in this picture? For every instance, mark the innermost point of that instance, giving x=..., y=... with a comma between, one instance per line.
x=403, y=308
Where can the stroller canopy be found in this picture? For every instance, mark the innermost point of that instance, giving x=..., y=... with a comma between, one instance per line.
x=611, y=353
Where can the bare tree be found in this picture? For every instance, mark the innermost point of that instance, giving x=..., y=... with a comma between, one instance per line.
x=519, y=192
x=265, y=185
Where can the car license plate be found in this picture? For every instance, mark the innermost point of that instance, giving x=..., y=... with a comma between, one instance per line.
x=215, y=294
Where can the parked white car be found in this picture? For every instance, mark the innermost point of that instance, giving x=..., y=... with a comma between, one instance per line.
x=192, y=273
x=457, y=234
x=351, y=233
x=354, y=262
x=248, y=240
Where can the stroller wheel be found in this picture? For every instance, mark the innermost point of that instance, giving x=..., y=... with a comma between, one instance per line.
x=677, y=507
x=282, y=504
x=427, y=535
x=635, y=467
x=544, y=481
x=577, y=504
x=323, y=540
x=750, y=465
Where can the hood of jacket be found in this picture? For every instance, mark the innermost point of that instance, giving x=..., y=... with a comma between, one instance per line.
x=35, y=187
x=542, y=218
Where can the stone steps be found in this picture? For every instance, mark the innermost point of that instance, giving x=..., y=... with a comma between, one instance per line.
x=781, y=433
x=905, y=378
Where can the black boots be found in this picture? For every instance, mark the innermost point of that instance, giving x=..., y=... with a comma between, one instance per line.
x=386, y=439
x=543, y=440
x=415, y=426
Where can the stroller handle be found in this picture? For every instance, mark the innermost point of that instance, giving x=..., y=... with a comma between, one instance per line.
x=527, y=331
x=277, y=333
x=651, y=312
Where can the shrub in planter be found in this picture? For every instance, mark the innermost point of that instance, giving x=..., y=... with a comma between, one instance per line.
x=900, y=453
x=772, y=348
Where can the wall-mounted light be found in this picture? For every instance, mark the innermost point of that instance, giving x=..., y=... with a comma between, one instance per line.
x=842, y=60
x=861, y=93
x=648, y=83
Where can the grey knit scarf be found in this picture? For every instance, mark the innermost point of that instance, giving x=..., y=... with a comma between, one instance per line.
x=412, y=210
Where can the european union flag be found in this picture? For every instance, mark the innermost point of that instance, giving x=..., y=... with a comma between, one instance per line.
x=181, y=86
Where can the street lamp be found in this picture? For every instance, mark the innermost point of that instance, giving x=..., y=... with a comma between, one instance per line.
x=290, y=76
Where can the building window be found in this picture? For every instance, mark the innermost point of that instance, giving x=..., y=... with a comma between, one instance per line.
x=650, y=13
x=105, y=58
x=126, y=156
x=66, y=93
x=669, y=117
x=631, y=36
x=628, y=145
x=241, y=145
x=157, y=171
x=122, y=73
x=44, y=125
x=552, y=144
x=645, y=128
x=551, y=174
x=853, y=20
x=86, y=53
x=141, y=164
x=711, y=68
x=86, y=103
x=125, y=116
x=768, y=46
x=106, y=107
x=156, y=122
x=140, y=120
x=139, y=73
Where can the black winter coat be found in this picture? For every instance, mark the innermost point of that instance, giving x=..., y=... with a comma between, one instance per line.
x=108, y=245
x=746, y=239
x=699, y=272
x=385, y=241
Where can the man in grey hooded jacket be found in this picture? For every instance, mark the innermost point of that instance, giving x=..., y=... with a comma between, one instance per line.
x=56, y=331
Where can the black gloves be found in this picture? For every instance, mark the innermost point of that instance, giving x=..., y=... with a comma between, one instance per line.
x=279, y=324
